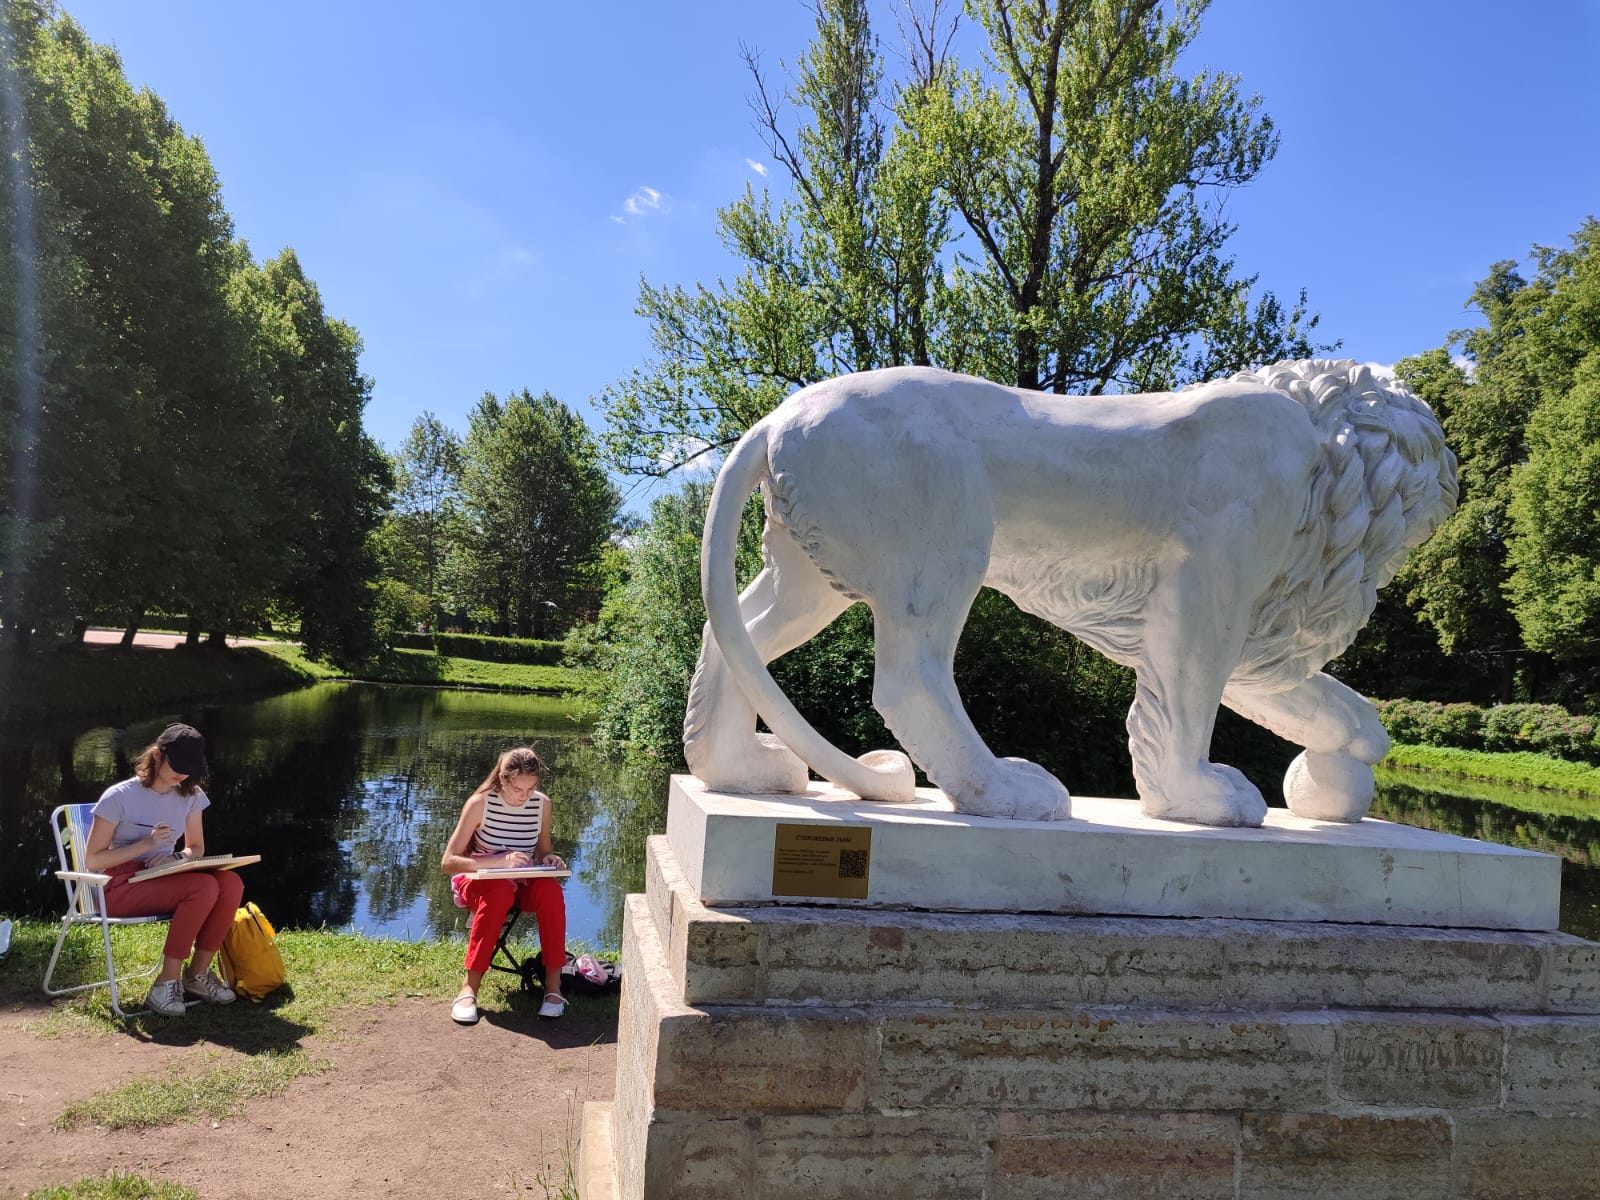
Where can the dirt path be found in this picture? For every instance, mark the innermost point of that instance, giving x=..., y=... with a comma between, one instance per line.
x=411, y=1106
x=111, y=637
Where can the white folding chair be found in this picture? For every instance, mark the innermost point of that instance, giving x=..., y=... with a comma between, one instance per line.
x=86, y=902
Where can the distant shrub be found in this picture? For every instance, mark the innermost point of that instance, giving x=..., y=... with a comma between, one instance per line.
x=533, y=651
x=1538, y=728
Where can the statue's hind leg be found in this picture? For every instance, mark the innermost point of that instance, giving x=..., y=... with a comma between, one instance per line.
x=788, y=603
x=915, y=690
x=1342, y=736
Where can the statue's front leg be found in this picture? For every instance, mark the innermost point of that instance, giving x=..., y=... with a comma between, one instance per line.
x=1339, y=728
x=1193, y=633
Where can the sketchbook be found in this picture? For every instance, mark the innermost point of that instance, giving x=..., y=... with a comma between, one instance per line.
x=518, y=873
x=211, y=862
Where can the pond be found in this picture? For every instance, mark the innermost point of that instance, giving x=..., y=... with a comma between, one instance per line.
x=349, y=792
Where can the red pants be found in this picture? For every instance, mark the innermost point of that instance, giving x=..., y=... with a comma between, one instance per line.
x=202, y=904
x=490, y=900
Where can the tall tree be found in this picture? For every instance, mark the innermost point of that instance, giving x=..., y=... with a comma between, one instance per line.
x=1516, y=421
x=1090, y=178
x=427, y=501
x=537, y=510
x=137, y=354
x=329, y=481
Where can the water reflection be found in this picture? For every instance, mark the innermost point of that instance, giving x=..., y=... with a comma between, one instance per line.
x=350, y=791
x=1483, y=814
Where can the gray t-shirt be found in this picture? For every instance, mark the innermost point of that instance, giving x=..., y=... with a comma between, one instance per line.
x=135, y=810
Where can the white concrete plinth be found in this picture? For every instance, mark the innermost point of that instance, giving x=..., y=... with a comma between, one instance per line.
x=1112, y=859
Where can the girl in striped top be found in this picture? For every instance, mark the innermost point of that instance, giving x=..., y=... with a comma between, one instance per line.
x=506, y=823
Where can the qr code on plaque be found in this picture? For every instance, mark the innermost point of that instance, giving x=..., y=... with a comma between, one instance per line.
x=852, y=864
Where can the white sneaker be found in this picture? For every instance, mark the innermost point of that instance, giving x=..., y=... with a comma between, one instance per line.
x=554, y=1005
x=166, y=998
x=465, y=1010
x=209, y=988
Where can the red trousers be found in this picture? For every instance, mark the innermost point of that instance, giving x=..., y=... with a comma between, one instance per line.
x=202, y=904
x=491, y=899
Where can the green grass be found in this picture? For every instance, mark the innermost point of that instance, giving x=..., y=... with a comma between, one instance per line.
x=188, y=1091
x=115, y=1186
x=85, y=681
x=440, y=670
x=1521, y=768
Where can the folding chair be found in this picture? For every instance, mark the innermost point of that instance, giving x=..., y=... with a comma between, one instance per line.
x=530, y=969
x=86, y=902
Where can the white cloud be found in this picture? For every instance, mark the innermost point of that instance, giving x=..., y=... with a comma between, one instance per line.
x=704, y=466
x=646, y=199
x=1381, y=370
x=759, y=168
x=1469, y=368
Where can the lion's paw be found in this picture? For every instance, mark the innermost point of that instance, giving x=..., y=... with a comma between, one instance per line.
x=1020, y=791
x=760, y=766
x=1328, y=787
x=1215, y=794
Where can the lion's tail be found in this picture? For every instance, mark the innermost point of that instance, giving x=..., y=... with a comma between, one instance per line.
x=744, y=470
x=1386, y=480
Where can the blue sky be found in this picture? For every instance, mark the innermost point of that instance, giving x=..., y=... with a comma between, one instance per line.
x=478, y=191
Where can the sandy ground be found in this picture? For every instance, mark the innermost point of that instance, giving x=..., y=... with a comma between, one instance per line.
x=412, y=1105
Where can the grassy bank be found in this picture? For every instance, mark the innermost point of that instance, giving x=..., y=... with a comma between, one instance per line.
x=82, y=681
x=441, y=670
x=1519, y=768
x=95, y=681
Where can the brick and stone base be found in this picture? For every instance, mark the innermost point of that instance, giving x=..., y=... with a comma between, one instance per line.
x=821, y=1052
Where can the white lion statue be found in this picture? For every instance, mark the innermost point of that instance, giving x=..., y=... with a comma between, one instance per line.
x=1225, y=541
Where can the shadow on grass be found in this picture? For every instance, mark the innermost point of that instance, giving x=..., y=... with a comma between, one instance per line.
x=244, y=1026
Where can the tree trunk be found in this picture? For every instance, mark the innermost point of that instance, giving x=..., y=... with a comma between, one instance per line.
x=1508, y=675
x=21, y=633
x=132, y=631
x=218, y=637
x=80, y=626
x=191, y=640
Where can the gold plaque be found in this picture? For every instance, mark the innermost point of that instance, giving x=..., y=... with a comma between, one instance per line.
x=821, y=860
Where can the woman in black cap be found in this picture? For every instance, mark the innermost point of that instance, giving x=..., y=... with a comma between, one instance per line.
x=137, y=824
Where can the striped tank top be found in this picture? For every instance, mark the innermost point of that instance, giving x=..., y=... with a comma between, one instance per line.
x=508, y=828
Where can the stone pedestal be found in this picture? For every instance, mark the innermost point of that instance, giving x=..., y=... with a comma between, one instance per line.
x=833, y=1050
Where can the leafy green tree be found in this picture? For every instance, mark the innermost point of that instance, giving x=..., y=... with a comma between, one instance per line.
x=137, y=353
x=427, y=505
x=1504, y=575
x=1555, y=510
x=537, y=509
x=1089, y=174
x=328, y=481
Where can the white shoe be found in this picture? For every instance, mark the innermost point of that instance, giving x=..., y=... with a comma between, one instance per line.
x=554, y=1005
x=209, y=988
x=166, y=998
x=465, y=1010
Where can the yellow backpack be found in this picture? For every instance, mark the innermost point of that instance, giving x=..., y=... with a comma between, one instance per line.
x=250, y=962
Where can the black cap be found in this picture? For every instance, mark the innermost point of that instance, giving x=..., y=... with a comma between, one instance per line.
x=185, y=750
